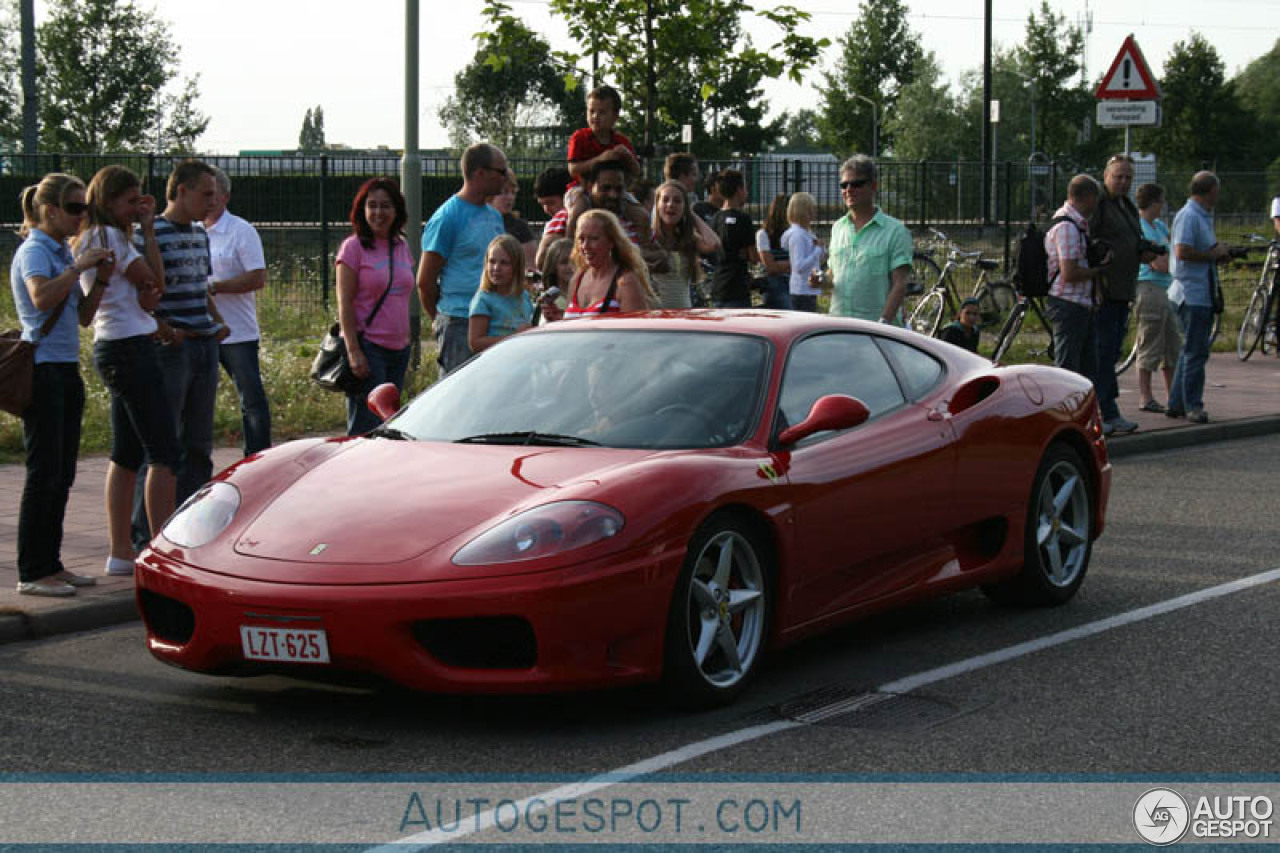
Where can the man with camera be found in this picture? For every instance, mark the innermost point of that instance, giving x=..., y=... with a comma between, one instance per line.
x=1115, y=220
x=1075, y=263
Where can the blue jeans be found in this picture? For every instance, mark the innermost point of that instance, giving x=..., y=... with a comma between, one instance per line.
x=777, y=292
x=452, y=345
x=1187, y=393
x=190, y=371
x=1074, y=346
x=241, y=363
x=801, y=302
x=385, y=365
x=1113, y=321
x=51, y=438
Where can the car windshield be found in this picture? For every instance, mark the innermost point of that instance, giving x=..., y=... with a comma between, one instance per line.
x=614, y=388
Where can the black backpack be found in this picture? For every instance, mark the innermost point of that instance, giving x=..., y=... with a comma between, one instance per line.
x=1031, y=267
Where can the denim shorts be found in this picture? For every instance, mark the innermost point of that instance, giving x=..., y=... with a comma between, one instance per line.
x=142, y=428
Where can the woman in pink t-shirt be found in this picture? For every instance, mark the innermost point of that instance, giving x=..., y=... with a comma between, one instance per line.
x=375, y=284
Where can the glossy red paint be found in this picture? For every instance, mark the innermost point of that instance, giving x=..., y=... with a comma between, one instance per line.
x=899, y=508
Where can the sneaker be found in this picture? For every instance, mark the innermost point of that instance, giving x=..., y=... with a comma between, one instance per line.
x=74, y=579
x=1198, y=416
x=1108, y=428
x=118, y=567
x=50, y=587
x=1175, y=413
x=1119, y=426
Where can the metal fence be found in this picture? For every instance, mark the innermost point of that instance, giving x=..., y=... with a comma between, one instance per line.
x=301, y=203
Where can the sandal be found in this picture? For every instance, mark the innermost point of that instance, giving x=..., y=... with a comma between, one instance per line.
x=1151, y=406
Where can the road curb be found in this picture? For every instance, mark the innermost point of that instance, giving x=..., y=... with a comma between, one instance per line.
x=101, y=612
x=1191, y=435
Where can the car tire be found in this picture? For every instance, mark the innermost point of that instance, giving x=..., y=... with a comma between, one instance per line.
x=718, y=620
x=1058, y=536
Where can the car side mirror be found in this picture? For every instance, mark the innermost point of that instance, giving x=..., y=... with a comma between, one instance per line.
x=832, y=412
x=384, y=401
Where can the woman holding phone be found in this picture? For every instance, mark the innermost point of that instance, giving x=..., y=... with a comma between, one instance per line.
x=124, y=353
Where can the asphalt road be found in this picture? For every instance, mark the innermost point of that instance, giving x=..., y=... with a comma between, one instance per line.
x=1188, y=692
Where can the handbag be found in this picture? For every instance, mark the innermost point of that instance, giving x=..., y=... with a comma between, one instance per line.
x=331, y=369
x=18, y=364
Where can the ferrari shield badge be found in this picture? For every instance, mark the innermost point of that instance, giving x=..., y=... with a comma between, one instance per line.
x=319, y=549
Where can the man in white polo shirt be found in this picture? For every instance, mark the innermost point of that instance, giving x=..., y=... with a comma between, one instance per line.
x=239, y=271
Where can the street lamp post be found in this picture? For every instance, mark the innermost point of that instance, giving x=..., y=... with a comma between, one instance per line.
x=875, y=123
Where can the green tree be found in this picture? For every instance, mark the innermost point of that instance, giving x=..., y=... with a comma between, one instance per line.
x=1204, y=124
x=1048, y=61
x=512, y=84
x=928, y=122
x=1257, y=88
x=877, y=58
x=105, y=69
x=10, y=77
x=311, y=138
x=678, y=63
x=799, y=131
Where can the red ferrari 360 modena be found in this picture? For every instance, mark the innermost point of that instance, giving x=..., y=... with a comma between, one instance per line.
x=634, y=498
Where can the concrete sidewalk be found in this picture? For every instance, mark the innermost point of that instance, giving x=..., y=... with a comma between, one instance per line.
x=1242, y=398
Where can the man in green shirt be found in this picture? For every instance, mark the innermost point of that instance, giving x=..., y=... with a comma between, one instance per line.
x=870, y=256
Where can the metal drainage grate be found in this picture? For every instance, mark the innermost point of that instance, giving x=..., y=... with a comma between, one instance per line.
x=859, y=708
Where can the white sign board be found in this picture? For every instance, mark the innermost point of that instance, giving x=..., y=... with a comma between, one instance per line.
x=686, y=133
x=1129, y=113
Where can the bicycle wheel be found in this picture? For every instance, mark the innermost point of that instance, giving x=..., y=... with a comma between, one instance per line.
x=1216, y=330
x=1254, y=325
x=993, y=300
x=1009, y=331
x=1129, y=354
x=928, y=314
x=924, y=276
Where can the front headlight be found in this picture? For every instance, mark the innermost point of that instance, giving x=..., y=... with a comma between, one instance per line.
x=205, y=514
x=541, y=532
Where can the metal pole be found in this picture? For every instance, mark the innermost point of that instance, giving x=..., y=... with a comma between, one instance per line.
x=324, y=231
x=30, y=96
x=411, y=166
x=986, y=112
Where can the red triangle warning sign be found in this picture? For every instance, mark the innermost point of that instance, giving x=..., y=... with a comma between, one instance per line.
x=1129, y=77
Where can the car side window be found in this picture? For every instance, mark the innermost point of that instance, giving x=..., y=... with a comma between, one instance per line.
x=920, y=371
x=836, y=363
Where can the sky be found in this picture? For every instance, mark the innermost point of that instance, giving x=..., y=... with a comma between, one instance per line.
x=263, y=63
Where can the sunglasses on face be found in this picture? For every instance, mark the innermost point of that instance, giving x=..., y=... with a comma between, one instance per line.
x=76, y=208
x=854, y=185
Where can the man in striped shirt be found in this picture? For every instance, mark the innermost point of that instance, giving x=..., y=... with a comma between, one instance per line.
x=1071, y=301
x=188, y=326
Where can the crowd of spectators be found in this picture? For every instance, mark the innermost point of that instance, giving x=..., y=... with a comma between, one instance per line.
x=171, y=296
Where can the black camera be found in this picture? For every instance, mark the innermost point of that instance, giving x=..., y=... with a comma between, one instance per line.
x=1096, y=253
x=1154, y=248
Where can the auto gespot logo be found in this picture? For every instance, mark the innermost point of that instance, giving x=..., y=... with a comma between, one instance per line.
x=1162, y=816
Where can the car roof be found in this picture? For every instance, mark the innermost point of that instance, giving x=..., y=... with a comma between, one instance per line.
x=781, y=327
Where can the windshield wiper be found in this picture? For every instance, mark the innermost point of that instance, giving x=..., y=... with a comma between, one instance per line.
x=389, y=432
x=529, y=437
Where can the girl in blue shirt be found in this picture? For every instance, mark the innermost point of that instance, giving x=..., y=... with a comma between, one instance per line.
x=45, y=281
x=501, y=306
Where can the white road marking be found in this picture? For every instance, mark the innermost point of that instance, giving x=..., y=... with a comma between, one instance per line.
x=903, y=685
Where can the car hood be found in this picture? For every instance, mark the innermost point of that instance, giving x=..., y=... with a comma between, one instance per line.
x=384, y=502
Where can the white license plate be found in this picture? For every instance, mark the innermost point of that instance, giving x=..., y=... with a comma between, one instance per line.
x=294, y=645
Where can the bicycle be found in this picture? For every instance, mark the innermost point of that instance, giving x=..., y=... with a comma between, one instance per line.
x=1013, y=324
x=994, y=296
x=1258, y=320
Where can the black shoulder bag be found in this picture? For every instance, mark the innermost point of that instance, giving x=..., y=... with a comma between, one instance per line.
x=331, y=369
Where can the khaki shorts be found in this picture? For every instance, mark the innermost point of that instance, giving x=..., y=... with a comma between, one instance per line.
x=1158, y=340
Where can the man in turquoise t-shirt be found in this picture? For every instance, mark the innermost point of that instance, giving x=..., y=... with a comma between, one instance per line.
x=454, y=243
x=870, y=255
